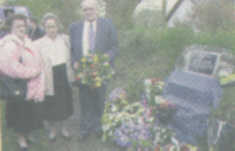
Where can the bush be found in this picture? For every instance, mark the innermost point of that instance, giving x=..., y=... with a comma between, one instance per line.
x=149, y=18
x=148, y=53
x=212, y=16
x=220, y=39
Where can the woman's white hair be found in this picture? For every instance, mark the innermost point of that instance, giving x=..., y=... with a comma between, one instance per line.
x=51, y=16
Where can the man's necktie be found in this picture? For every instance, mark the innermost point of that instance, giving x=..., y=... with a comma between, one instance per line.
x=91, y=38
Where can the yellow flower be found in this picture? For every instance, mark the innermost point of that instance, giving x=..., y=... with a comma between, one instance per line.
x=83, y=60
x=98, y=79
x=106, y=56
x=98, y=84
x=96, y=58
x=84, y=81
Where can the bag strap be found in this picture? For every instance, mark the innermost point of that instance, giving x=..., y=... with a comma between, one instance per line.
x=26, y=48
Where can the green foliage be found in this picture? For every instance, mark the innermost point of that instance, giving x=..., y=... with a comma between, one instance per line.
x=212, y=16
x=67, y=10
x=226, y=110
x=121, y=12
x=149, y=18
x=147, y=53
x=223, y=39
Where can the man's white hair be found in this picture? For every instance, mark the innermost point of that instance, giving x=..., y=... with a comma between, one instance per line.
x=89, y=3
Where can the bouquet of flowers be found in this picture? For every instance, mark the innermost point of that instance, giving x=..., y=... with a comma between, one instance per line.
x=94, y=70
x=162, y=109
x=153, y=87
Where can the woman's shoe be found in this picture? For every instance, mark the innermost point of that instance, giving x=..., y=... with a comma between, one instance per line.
x=65, y=134
x=52, y=136
x=22, y=142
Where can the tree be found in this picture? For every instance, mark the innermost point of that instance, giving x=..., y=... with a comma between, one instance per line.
x=214, y=15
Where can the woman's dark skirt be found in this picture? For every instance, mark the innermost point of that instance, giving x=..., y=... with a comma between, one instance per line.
x=59, y=106
x=22, y=116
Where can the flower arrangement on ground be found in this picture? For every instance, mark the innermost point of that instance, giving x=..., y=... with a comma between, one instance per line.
x=132, y=125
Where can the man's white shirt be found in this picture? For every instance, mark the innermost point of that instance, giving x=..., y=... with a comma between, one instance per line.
x=85, y=36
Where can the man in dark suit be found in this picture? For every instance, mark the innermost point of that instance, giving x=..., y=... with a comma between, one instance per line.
x=92, y=35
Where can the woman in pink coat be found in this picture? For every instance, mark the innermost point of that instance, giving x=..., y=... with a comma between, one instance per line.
x=19, y=59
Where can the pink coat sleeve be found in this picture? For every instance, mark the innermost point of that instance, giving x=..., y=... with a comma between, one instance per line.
x=10, y=63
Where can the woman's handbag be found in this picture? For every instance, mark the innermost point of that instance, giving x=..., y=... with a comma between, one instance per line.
x=12, y=89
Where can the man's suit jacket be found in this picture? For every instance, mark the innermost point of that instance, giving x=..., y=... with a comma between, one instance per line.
x=106, y=39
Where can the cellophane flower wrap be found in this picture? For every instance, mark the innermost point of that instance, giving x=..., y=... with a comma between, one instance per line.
x=161, y=108
x=153, y=87
x=94, y=70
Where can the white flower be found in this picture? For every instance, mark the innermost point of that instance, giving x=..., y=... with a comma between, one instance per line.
x=110, y=133
x=163, y=130
x=151, y=119
x=105, y=127
x=114, y=108
x=224, y=73
x=147, y=82
x=140, y=121
x=159, y=100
